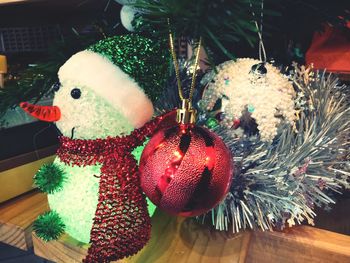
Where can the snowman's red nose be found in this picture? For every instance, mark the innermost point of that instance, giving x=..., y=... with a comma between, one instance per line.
x=43, y=113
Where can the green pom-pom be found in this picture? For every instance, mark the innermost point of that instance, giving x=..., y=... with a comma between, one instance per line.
x=49, y=226
x=49, y=178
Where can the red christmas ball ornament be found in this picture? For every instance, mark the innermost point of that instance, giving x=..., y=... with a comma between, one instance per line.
x=186, y=170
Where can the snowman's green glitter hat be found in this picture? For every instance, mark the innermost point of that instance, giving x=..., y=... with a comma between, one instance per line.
x=144, y=60
x=128, y=71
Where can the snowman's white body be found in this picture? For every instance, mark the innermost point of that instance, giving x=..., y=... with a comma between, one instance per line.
x=103, y=109
x=76, y=202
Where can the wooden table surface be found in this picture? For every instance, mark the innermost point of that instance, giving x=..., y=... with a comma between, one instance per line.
x=179, y=240
x=17, y=216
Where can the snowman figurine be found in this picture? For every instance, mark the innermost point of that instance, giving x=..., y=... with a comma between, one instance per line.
x=103, y=107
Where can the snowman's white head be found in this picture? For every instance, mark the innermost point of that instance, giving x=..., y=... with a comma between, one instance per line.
x=97, y=99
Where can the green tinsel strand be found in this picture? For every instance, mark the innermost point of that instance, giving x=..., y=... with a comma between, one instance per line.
x=49, y=226
x=49, y=178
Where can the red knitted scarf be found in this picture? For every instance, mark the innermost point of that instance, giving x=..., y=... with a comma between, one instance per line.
x=121, y=224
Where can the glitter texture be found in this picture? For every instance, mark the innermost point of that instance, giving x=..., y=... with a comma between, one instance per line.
x=49, y=178
x=103, y=118
x=77, y=200
x=141, y=58
x=280, y=184
x=186, y=170
x=269, y=98
x=49, y=226
x=121, y=224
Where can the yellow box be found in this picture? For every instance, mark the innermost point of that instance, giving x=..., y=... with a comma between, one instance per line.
x=19, y=180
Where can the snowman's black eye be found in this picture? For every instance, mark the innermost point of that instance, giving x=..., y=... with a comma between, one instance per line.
x=75, y=93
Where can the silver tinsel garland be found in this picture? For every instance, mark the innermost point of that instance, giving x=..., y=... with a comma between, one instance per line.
x=282, y=181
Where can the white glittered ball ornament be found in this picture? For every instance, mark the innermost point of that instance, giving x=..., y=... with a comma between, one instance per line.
x=248, y=87
x=127, y=14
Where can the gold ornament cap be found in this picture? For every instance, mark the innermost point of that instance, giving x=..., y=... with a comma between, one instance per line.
x=186, y=114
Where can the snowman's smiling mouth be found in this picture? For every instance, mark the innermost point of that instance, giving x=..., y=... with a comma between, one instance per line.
x=72, y=133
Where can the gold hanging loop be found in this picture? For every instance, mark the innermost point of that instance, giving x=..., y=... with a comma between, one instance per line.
x=186, y=114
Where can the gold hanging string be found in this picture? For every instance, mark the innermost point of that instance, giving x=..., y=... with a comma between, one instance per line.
x=177, y=69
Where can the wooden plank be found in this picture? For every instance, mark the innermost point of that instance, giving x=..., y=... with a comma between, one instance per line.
x=17, y=216
x=299, y=244
x=163, y=236
x=179, y=240
x=66, y=249
x=176, y=240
